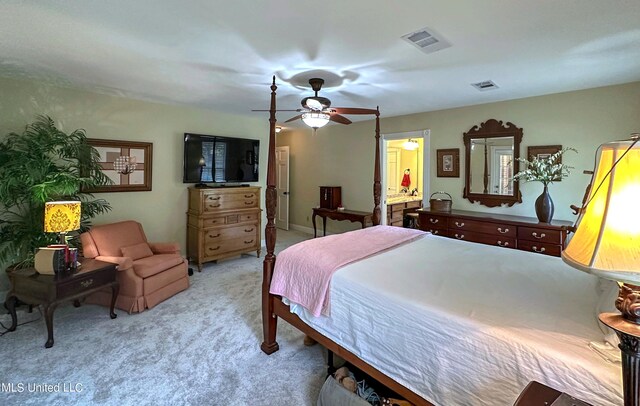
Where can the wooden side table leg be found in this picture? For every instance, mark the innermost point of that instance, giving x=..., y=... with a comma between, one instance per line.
x=313, y=218
x=115, y=288
x=48, y=318
x=324, y=226
x=10, y=304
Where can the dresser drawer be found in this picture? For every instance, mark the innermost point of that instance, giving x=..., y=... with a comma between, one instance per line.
x=216, y=221
x=414, y=204
x=540, y=247
x=246, y=243
x=482, y=238
x=541, y=235
x=395, y=208
x=217, y=234
x=85, y=283
x=216, y=202
x=435, y=231
x=432, y=221
x=482, y=227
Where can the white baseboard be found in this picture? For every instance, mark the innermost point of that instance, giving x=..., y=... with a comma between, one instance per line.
x=302, y=229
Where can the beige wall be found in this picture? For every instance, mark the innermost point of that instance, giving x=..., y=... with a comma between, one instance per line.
x=162, y=210
x=343, y=155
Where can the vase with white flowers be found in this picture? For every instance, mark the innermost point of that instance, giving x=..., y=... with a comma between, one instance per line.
x=547, y=169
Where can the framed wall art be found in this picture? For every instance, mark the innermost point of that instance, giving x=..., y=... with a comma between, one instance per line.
x=448, y=161
x=543, y=152
x=127, y=163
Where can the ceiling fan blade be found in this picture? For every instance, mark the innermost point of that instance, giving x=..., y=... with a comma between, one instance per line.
x=294, y=118
x=353, y=110
x=277, y=110
x=339, y=119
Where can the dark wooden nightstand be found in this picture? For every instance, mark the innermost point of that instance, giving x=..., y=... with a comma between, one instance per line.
x=30, y=287
x=537, y=394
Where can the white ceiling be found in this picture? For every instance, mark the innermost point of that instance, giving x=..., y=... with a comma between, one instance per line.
x=222, y=54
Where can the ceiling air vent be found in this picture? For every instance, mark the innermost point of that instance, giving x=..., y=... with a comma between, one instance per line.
x=485, y=85
x=426, y=40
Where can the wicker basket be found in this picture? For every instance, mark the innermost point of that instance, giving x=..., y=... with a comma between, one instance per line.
x=440, y=204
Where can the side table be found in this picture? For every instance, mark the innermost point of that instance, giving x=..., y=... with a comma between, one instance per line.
x=32, y=288
x=340, y=215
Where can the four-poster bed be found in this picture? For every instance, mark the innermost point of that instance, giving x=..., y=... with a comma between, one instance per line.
x=458, y=343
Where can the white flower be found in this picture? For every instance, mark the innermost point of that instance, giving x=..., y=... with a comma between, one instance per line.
x=546, y=170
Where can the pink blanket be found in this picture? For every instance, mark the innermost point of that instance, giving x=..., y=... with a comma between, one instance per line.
x=303, y=271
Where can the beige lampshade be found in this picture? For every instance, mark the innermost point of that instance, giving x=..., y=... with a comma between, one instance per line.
x=607, y=239
x=60, y=217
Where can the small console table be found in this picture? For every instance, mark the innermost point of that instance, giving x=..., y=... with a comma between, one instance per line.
x=353, y=216
x=32, y=288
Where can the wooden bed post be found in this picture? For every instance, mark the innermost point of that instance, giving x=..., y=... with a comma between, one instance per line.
x=269, y=319
x=377, y=186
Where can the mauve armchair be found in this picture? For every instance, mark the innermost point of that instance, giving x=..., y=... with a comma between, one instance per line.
x=148, y=273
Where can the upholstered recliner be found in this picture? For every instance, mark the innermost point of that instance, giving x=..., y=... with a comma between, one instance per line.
x=148, y=273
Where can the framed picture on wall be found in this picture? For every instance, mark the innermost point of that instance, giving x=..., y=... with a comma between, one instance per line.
x=126, y=163
x=448, y=161
x=543, y=152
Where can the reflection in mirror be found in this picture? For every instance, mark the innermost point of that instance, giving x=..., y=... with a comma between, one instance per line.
x=491, y=152
x=492, y=165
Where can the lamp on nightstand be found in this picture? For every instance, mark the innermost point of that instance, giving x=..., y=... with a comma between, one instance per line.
x=607, y=244
x=62, y=217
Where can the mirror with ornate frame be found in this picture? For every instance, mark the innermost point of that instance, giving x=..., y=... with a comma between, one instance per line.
x=491, y=159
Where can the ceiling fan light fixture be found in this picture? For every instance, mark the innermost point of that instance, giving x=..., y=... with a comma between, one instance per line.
x=411, y=144
x=316, y=119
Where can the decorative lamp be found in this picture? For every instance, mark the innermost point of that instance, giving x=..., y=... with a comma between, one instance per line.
x=411, y=145
x=278, y=129
x=61, y=217
x=606, y=243
x=316, y=119
x=201, y=164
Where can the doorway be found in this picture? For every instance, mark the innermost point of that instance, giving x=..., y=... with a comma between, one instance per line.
x=282, y=187
x=405, y=167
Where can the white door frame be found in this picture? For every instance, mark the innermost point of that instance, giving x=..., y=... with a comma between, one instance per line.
x=426, y=164
x=282, y=190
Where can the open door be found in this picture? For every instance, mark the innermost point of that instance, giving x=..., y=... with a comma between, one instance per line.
x=282, y=187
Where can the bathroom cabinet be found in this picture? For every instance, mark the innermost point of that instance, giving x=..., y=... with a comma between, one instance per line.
x=395, y=211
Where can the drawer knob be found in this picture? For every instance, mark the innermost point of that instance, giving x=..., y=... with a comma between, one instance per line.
x=87, y=283
x=434, y=232
x=214, y=236
x=248, y=203
x=433, y=221
x=459, y=237
x=459, y=224
x=503, y=244
x=248, y=230
x=214, y=198
x=248, y=242
x=213, y=249
x=501, y=231
x=542, y=235
x=247, y=196
x=215, y=205
x=534, y=248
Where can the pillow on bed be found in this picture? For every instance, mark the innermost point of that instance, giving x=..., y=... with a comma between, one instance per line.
x=137, y=251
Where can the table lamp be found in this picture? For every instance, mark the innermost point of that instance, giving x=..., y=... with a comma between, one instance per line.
x=607, y=244
x=201, y=164
x=61, y=217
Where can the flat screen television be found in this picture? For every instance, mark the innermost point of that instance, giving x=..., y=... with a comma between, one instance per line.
x=226, y=159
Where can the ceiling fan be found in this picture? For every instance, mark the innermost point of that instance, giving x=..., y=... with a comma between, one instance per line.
x=317, y=111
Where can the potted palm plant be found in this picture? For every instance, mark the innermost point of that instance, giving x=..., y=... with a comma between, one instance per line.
x=545, y=170
x=43, y=164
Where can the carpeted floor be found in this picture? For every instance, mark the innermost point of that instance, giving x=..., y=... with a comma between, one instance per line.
x=200, y=347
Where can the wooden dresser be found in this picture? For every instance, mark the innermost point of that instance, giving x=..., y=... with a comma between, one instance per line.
x=395, y=212
x=222, y=223
x=523, y=233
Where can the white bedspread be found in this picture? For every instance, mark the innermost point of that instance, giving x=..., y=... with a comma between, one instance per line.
x=470, y=324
